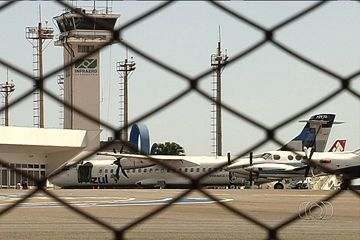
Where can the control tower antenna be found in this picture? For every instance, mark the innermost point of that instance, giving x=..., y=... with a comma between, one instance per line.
x=37, y=36
x=125, y=69
x=6, y=89
x=218, y=60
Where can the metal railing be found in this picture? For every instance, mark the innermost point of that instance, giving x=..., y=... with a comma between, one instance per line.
x=193, y=83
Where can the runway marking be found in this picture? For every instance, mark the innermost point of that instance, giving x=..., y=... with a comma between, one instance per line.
x=119, y=202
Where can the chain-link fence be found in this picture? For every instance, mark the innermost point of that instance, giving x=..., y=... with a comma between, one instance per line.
x=193, y=83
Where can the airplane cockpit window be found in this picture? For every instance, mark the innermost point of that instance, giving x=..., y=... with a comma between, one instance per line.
x=276, y=157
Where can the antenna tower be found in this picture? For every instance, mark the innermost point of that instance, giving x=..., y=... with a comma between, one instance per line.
x=6, y=89
x=60, y=81
x=37, y=36
x=124, y=69
x=218, y=60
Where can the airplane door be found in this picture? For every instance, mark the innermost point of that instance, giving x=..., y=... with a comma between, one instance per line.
x=84, y=172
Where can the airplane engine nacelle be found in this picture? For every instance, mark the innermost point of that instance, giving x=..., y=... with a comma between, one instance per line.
x=156, y=183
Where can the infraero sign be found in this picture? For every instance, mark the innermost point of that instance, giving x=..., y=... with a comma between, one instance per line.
x=87, y=66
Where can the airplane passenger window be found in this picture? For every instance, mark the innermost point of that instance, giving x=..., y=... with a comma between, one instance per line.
x=298, y=157
x=156, y=170
x=276, y=157
x=100, y=170
x=304, y=157
x=191, y=169
x=198, y=170
x=266, y=156
x=145, y=170
x=185, y=169
x=150, y=170
x=210, y=169
x=111, y=170
x=162, y=170
x=204, y=169
x=290, y=157
x=106, y=171
x=132, y=170
x=139, y=170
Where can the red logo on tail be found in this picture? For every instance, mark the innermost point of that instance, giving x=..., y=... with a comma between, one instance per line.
x=338, y=146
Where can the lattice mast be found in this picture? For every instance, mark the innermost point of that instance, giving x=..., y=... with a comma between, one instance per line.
x=60, y=82
x=37, y=36
x=218, y=60
x=6, y=89
x=124, y=69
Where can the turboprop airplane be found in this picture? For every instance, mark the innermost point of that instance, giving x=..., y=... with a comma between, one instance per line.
x=129, y=170
x=278, y=165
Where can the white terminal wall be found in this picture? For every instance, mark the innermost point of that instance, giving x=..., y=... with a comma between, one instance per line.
x=52, y=147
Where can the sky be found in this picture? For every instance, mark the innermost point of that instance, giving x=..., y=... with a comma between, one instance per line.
x=267, y=85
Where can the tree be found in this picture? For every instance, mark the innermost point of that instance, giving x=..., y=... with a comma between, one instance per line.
x=167, y=148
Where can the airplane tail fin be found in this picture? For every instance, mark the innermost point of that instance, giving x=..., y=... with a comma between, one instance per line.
x=338, y=146
x=315, y=134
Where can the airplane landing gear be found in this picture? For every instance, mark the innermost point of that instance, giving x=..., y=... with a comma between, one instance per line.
x=279, y=185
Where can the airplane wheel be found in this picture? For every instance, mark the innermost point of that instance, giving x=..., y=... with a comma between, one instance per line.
x=279, y=185
x=344, y=186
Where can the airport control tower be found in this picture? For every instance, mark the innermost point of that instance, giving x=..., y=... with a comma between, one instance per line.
x=79, y=36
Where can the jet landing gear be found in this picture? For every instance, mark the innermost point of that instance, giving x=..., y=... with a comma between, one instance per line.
x=279, y=185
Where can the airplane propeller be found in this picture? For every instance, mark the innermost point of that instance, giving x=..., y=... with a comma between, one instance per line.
x=230, y=173
x=117, y=162
x=250, y=172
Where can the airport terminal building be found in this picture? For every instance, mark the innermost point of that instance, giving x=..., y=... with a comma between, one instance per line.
x=37, y=151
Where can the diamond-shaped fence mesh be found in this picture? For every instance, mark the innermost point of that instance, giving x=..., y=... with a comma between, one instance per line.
x=193, y=86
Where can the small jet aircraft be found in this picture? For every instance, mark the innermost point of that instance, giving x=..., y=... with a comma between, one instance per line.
x=130, y=170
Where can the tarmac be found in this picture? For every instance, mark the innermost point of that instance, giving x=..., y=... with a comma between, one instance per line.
x=193, y=217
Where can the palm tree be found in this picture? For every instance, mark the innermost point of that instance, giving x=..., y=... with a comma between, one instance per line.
x=167, y=148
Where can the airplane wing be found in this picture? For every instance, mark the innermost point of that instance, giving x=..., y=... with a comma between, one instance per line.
x=133, y=161
x=272, y=167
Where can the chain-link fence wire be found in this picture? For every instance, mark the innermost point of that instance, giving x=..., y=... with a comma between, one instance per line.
x=193, y=82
